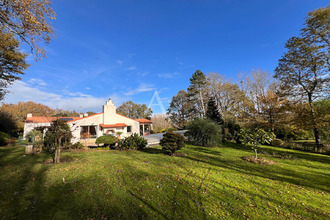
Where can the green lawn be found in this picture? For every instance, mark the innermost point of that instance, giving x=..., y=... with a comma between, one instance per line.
x=204, y=183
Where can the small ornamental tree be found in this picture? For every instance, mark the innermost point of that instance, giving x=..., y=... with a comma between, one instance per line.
x=107, y=140
x=57, y=135
x=172, y=142
x=256, y=138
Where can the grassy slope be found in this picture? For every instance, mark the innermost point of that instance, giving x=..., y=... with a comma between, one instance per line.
x=206, y=183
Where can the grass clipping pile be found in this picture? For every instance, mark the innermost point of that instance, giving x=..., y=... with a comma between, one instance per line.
x=262, y=161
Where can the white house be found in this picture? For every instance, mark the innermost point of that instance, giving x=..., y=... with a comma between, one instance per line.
x=87, y=129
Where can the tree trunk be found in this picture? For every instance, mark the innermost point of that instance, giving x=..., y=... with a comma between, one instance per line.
x=202, y=102
x=315, y=129
x=255, y=151
x=57, y=155
x=58, y=151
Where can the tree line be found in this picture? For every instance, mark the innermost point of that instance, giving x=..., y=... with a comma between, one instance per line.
x=293, y=103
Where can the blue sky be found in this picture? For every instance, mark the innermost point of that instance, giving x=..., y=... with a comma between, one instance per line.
x=125, y=49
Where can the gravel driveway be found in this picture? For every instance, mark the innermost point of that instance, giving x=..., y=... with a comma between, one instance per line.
x=155, y=138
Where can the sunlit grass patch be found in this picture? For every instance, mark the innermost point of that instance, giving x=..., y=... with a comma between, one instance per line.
x=209, y=183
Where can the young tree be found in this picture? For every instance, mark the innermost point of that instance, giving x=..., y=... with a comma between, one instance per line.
x=256, y=138
x=197, y=93
x=304, y=69
x=57, y=135
x=12, y=62
x=29, y=21
x=179, y=110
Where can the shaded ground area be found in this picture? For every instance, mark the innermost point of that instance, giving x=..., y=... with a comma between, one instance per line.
x=201, y=183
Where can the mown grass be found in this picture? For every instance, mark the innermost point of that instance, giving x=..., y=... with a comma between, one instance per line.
x=203, y=183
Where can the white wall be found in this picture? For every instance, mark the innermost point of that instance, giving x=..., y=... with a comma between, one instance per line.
x=130, y=122
x=28, y=127
x=95, y=120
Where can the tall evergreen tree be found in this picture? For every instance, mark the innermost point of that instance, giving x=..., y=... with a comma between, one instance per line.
x=196, y=93
x=213, y=113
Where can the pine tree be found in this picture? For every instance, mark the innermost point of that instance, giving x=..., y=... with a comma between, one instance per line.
x=213, y=113
x=196, y=93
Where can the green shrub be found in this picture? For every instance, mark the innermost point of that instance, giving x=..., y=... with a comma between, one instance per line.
x=77, y=145
x=152, y=132
x=133, y=142
x=37, y=146
x=172, y=142
x=4, y=138
x=277, y=142
x=23, y=142
x=204, y=132
x=34, y=136
x=107, y=140
x=171, y=129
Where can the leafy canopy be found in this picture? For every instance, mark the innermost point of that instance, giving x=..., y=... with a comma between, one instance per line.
x=29, y=20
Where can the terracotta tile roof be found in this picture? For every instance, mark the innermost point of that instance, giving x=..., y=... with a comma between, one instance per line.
x=143, y=121
x=117, y=125
x=78, y=118
x=46, y=119
x=125, y=116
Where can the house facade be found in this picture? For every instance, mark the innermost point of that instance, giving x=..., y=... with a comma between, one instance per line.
x=87, y=129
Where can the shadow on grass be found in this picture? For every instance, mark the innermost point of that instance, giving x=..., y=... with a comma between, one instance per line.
x=314, y=180
x=153, y=150
x=283, y=151
x=213, y=151
x=21, y=182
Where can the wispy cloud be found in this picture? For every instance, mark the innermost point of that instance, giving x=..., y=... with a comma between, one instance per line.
x=22, y=91
x=120, y=62
x=131, y=68
x=168, y=75
x=37, y=82
x=143, y=73
x=142, y=88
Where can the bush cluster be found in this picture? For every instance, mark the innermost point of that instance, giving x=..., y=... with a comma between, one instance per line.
x=204, y=132
x=172, y=142
x=107, y=140
x=277, y=142
x=4, y=138
x=77, y=145
x=133, y=142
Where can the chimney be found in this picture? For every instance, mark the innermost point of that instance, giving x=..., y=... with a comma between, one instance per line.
x=109, y=113
x=29, y=115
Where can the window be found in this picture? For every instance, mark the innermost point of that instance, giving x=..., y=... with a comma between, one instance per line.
x=87, y=132
x=129, y=128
